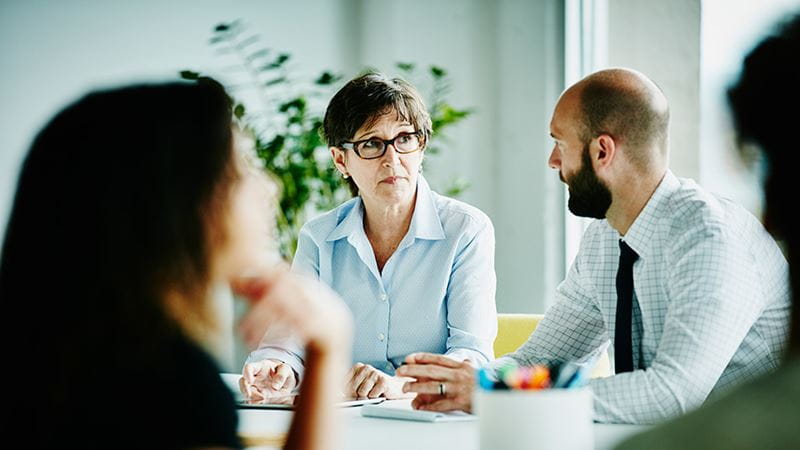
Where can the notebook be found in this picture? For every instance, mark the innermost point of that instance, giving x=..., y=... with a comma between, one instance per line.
x=388, y=412
x=288, y=403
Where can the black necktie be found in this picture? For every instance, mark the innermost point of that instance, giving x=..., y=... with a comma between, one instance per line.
x=623, y=346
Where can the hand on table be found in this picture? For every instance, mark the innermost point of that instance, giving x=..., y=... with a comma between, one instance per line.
x=265, y=380
x=365, y=381
x=442, y=384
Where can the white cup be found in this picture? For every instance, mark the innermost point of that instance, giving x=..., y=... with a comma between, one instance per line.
x=542, y=419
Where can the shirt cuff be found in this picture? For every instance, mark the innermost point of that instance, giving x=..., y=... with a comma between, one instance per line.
x=476, y=358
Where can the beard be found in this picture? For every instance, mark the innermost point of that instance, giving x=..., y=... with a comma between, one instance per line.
x=588, y=195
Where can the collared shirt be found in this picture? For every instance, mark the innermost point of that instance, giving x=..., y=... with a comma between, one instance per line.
x=711, y=305
x=436, y=293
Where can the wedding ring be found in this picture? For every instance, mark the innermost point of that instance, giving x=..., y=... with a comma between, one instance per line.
x=442, y=390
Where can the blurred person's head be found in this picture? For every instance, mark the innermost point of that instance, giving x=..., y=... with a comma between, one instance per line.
x=608, y=127
x=130, y=205
x=361, y=117
x=762, y=101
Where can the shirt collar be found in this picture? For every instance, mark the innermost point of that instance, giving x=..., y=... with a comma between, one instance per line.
x=425, y=223
x=641, y=232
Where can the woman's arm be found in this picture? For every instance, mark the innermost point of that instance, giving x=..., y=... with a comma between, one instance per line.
x=471, y=310
x=323, y=321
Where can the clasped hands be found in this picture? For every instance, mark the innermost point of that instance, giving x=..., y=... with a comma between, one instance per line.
x=271, y=380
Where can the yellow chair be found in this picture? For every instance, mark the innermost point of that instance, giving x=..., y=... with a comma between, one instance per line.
x=514, y=329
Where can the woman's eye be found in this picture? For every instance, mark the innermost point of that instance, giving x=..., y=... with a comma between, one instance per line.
x=372, y=144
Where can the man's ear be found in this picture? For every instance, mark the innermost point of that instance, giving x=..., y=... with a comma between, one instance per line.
x=603, y=151
x=339, y=160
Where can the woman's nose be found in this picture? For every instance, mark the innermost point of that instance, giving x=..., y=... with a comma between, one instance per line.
x=390, y=157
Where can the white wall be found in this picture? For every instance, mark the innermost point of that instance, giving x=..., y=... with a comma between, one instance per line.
x=730, y=28
x=52, y=52
x=693, y=49
x=662, y=40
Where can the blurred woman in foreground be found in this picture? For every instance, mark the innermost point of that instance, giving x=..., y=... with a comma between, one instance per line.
x=131, y=204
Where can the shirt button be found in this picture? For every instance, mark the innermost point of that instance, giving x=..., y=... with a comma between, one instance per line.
x=384, y=297
x=381, y=337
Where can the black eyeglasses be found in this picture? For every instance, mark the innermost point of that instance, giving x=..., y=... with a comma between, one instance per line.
x=375, y=148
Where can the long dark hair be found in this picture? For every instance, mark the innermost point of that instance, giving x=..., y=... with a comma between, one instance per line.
x=767, y=86
x=117, y=203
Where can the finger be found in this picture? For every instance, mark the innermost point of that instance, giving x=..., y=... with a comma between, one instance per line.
x=446, y=404
x=244, y=388
x=250, y=371
x=280, y=376
x=256, y=396
x=427, y=371
x=424, y=399
x=367, y=385
x=378, y=389
x=251, y=393
x=255, y=288
x=360, y=372
x=429, y=387
x=430, y=358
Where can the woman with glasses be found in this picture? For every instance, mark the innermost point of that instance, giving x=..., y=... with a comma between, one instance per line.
x=415, y=268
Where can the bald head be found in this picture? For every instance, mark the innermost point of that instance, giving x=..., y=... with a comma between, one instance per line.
x=629, y=107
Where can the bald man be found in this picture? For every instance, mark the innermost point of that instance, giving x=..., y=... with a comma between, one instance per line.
x=689, y=288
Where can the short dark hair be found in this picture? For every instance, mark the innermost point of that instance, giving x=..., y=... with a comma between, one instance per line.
x=762, y=101
x=119, y=201
x=623, y=112
x=363, y=100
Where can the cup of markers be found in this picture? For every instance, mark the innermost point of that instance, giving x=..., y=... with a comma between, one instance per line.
x=538, y=407
x=514, y=377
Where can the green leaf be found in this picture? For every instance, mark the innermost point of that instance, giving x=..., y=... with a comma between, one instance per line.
x=405, y=67
x=456, y=187
x=238, y=111
x=327, y=78
x=189, y=75
x=298, y=103
x=279, y=61
x=437, y=72
x=258, y=54
x=275, y=81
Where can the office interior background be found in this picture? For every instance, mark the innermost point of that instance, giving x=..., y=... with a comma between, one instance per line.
x=508, y=60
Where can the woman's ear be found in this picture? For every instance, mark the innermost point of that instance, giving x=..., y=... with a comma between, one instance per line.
x=340, y=161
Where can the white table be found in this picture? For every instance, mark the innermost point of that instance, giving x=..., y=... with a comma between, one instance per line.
x=369, y=433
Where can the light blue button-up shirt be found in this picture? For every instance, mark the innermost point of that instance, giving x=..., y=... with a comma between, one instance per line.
x=436, y=293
